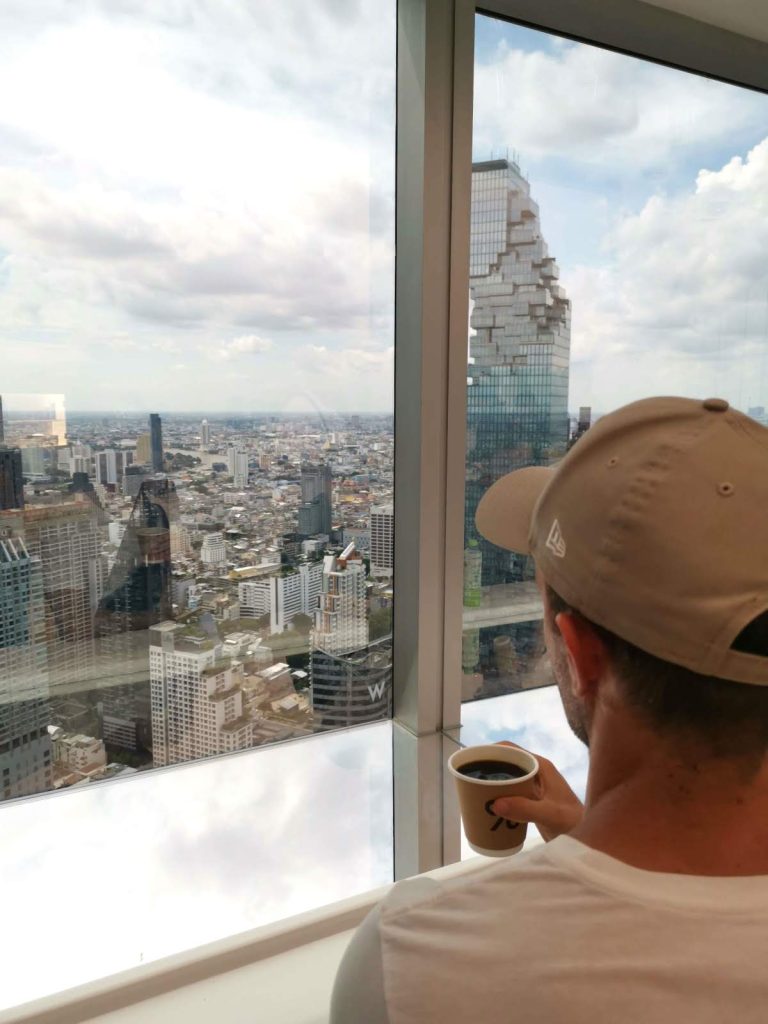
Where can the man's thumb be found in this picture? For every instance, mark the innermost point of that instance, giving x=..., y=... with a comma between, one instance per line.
x=517, y=808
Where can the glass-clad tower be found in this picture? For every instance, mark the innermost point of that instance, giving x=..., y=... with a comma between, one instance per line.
x=517, y=396
x=156, y=441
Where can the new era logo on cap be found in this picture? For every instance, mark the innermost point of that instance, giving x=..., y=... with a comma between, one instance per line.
x=555, y=540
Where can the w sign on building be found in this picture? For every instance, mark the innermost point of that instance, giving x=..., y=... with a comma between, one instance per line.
x=351, y=680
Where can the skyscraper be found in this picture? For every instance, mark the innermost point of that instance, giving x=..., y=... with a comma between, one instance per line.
x=11, y=479
x=144, y=450
x=198, y=706
x=138, y=591
x=205, y=434
x=2, y=422
x=138, y=594
x=341, y=624
x=238, y=466
x=156, y=441
x=354, y=688
x=382, y=540
x=111, y=465
x=25, y=746
x=517, y=396
x=315, y=511
x=66, y=540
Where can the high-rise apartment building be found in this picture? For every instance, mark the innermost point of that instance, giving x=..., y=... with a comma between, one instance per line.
x=238, y=466
x=316, y=509
x=111, y=465
x=283, y=596
x=517, y=396
x=341, y=623
x=255, y=598
x=2, y=422
x=205, y=434
x=382, y=540
x=25, y=746
x=156, y=441
x=198, y=706
x=11, y=479
x=181, y=541
x=143, y=450
x=66, y=538
x=214, y=551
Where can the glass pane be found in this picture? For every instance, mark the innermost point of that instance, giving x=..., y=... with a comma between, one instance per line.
x=534, y=720
x=196, y=306
x=185, y=857
x=619, y=230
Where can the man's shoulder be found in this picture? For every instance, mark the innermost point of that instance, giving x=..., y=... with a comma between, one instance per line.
x=515, y=876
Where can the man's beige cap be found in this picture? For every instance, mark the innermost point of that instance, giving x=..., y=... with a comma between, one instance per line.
x=654, y=526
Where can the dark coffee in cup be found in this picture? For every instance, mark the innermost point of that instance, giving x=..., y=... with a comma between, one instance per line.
x=492, y=771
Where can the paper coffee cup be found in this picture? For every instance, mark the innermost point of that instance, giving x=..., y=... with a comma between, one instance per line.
x=486, y=832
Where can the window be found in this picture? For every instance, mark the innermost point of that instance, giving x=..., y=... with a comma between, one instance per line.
x=618, y=235
x=197, y=237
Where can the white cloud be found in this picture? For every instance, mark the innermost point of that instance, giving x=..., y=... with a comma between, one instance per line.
x=246, y=344
x=582, y=103
x=231, y=175
x=681, y=304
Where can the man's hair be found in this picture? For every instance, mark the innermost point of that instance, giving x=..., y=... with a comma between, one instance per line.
x=723, y=718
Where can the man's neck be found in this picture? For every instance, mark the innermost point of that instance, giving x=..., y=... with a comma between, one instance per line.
x=654, y=809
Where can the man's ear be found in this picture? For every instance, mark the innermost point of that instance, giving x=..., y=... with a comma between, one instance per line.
x=586, y=653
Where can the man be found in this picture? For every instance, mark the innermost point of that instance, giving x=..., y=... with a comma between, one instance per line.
x=650, y=903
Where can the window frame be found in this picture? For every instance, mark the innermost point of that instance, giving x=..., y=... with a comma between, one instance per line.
x=435, y=69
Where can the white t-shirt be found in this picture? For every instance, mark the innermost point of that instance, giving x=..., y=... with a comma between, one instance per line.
x=562, y=933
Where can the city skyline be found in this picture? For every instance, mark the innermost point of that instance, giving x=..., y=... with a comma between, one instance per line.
x=214, y=538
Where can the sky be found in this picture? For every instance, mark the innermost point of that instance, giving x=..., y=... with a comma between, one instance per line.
x=653, y=190
x=196, y=203
x=197, y=206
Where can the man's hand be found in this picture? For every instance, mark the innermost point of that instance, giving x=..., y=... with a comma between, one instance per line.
x=554, y=810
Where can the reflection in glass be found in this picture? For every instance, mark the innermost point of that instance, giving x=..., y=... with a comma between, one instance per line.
x=183, y=857
x=517, y=415
x=200, y=252
x=615, y=254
